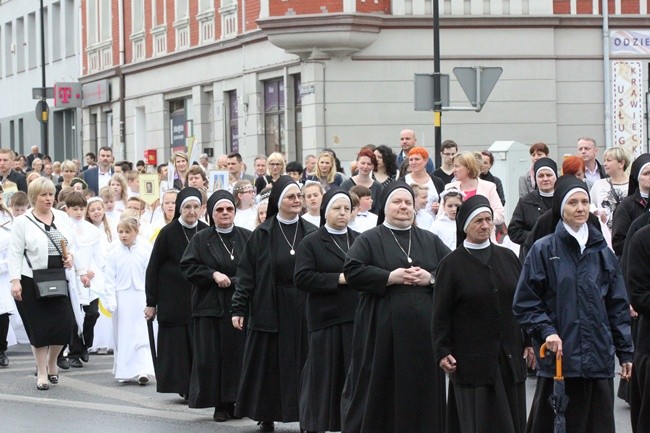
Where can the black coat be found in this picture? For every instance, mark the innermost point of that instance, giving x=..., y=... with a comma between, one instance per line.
x=627, y=211
x=528, y=210
x=19, y=179
x=201, y=259
x=472, y=316
x=328, y=302
x=255, y=284
x=165, y=287
x=639, y=285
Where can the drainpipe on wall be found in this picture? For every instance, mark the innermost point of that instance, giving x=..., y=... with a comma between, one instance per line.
x=607, y=90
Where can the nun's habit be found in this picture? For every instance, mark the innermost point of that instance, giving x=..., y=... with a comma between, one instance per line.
x=631, y=207
x=639, y=286
x=393, y=383
x=330, y=315
x=473, y=322
x=169, y=293
x=530, y=208
x=218, y=347
x=274, y=311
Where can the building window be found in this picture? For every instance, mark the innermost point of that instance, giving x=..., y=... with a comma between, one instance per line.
x=137, y=32
x=98, y=21
x=20, y=44
x=12, y=133
x=232, y=122
x=297, y=116
x=69, y=11
x=181, y=10
x=9, y=48
x=274, y=116
x=21, y=136
x=31, y=40
x=138, y=16
x=56, y=31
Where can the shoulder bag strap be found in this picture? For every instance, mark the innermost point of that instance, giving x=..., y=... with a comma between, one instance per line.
x=48, y=236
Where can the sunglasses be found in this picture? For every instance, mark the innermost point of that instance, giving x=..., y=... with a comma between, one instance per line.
x=224, y=209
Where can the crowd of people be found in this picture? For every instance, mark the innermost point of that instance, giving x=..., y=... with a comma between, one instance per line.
x=342, y=301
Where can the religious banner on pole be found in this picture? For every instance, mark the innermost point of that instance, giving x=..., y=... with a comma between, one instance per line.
x=627, y=98
x=149, y=187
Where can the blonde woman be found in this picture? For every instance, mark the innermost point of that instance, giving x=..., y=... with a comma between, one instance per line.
x=68, y=172
x=275, y=168
x=326, y=171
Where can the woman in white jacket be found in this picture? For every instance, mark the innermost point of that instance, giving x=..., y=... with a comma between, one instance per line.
x=125, y=297
x=36, y=237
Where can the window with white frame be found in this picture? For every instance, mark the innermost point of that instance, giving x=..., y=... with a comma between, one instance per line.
x=181, y=10
x=138, y=16
x=206, y=5
x=98, y=21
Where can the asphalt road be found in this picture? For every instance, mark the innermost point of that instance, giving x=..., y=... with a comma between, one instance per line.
x=91, y=400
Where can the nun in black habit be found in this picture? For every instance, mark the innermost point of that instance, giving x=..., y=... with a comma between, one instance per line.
x=168, y=295
x=639, y=287
x=393, y=384
x=330, y=313
x=210, y=263
x=477, y=340
x=266, y=299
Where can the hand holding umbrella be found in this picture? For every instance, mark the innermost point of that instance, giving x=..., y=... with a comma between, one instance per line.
x=558, y=400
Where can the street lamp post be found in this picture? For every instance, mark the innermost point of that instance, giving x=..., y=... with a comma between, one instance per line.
x=437, y=103
x=44, y=123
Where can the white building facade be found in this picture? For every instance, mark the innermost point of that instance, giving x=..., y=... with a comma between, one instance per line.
x=20, y=71
x=256, y=76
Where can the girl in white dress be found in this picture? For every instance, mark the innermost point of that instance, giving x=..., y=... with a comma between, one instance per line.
x=103, y=341
x=244, y=193
x=7, y=304
x=126, y=265
x=444, y=225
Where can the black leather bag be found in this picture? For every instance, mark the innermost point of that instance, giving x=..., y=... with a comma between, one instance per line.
x=50, y=283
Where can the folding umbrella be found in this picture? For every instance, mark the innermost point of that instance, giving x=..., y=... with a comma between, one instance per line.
x=558, y=400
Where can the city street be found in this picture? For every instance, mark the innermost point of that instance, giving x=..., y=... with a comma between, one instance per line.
x=90, y=400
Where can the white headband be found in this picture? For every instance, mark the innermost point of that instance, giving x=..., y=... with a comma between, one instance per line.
x=190, y=198
x=545, y=167
x=219, y=201
x=335, y=197
x=641, y=171
x=475, y=212
x=391, y=194
x=569, y=194
x=284, y=191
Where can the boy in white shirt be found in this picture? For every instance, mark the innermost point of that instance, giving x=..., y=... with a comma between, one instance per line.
x=364, y=219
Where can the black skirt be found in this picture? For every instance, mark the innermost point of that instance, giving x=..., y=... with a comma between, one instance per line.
x=270, y=382
x=590, y=408
x=640, y=393
x=48, y=321
x=323, y=377
x=218, y=350
x=500, y=408
x=173, y=359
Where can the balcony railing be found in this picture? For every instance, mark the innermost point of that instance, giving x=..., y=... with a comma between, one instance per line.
x=228, y=21
x=182, y=34
x=159, y=35
x=138, y=47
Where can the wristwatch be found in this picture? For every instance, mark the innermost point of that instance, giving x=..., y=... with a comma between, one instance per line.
x=432, y=281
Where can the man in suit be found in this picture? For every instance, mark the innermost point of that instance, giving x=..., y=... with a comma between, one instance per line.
x=236, y=169
x=594, y=170
x=32, y=156
x=7, y=172
x=408, y=141
x=100, y=176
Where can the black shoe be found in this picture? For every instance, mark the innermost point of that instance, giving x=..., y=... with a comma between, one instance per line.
x=4, y=361
x=53, y=378
x=63, y=363
x=266, y=426
x=220, y=415
x=75, y=363
x=85, y=356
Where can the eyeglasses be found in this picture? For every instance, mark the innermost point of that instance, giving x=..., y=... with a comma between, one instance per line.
x=293, y=197
x=224, y=209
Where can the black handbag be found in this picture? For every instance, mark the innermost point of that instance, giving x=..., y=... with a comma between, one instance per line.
x=49, y=283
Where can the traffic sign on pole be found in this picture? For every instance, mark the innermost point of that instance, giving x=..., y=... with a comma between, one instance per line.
x=477, y=82
x=424, y=97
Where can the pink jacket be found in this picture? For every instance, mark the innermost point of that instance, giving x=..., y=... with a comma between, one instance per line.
x=488, y=190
